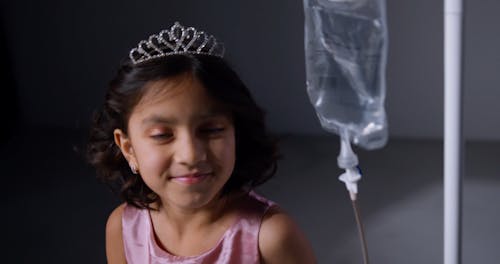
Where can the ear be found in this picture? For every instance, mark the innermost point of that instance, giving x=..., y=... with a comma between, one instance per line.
x=125, y=145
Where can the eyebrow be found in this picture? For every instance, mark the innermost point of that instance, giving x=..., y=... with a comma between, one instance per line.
x=158, y=119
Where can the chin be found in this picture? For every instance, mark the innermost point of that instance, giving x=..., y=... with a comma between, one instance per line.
x=194, y=200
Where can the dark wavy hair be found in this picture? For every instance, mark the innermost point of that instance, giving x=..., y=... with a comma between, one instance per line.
x=256, y=150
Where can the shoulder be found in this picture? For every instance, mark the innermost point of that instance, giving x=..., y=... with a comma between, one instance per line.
x=114, y=223
x=281, y=241
x=116, y=214
x=114, y=241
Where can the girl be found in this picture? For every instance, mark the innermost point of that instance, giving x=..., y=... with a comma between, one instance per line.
x=184, y=142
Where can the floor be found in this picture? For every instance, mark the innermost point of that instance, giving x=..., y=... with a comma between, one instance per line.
x=56, y=209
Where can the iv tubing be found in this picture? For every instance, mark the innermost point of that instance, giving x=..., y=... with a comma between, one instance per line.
x=453, y=138
x=348, y=160
x=361, y=232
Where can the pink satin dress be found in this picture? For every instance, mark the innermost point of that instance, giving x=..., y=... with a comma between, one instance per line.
x=239, y=244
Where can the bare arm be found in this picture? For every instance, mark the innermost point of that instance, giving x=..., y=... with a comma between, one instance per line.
x=281, y=241
x=114, y=242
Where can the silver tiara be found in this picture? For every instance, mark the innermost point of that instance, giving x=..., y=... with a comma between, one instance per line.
x=177, y=40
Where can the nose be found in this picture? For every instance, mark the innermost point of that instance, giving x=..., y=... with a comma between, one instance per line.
x=190, y=150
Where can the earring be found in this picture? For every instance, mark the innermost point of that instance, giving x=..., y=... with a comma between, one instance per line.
x=133, y=168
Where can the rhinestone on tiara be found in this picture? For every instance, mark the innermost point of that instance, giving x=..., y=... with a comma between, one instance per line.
x=177, y=40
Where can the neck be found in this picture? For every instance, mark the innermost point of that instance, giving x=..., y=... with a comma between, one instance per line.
x=181, y=220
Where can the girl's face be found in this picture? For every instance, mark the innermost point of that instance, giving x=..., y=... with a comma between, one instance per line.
x=181, y=142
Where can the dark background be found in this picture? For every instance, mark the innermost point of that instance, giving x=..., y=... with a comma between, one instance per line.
x=57, y=57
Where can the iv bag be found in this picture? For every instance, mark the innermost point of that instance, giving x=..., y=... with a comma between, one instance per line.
x=346, y=52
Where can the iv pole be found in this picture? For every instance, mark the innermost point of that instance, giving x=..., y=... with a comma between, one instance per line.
x=453, y=138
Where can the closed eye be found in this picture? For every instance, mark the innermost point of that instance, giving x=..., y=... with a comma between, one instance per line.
x=212, y=130
x=162, y=136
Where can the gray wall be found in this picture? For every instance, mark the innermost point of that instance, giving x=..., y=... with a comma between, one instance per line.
x=63, y=53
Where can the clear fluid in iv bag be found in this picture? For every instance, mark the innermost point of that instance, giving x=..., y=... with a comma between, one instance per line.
x=345, y=62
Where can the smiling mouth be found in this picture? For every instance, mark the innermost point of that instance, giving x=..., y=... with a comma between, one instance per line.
x=191, y=178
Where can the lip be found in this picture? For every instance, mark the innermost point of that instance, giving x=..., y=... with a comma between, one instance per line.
x=192, y=178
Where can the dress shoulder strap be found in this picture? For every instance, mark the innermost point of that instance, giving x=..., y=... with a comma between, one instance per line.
x=136, y=231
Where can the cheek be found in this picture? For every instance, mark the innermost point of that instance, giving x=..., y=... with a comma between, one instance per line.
x=225, y=153
x=153, y=161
